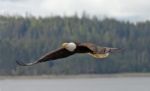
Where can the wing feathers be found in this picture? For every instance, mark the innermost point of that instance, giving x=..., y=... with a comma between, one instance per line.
x=59, y=53
x=26, y=64
x=99, y=49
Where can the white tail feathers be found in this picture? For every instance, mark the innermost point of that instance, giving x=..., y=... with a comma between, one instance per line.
x=99, y=55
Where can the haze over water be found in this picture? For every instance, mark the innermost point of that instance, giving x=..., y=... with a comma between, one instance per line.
x=77, y=84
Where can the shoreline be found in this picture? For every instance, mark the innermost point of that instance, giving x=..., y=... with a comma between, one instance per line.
x=80, y=76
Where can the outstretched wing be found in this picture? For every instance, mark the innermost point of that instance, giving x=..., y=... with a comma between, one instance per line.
x=99, y=49
x=104, y=50
x=57, y=54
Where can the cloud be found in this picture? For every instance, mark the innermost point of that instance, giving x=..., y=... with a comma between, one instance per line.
x=137, y=10
x=20, y=7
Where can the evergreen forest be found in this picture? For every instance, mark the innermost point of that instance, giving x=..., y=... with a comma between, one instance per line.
x=28, y=38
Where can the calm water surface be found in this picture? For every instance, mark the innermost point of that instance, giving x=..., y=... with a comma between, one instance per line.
x=77, y=84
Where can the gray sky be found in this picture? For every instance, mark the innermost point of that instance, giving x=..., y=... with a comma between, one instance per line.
x=133, y=10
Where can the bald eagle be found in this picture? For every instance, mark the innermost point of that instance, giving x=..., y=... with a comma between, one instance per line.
x=70, y=48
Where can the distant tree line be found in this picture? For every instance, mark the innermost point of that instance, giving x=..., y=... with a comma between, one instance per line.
x=28, y=38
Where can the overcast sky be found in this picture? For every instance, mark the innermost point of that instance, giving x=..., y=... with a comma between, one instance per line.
x=133, y=10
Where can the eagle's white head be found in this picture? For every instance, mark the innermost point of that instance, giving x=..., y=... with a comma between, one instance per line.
x=71, y=46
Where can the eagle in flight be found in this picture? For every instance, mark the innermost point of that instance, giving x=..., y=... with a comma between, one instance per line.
x=70, y=48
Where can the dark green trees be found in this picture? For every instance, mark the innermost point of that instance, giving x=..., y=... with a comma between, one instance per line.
x=29, y=38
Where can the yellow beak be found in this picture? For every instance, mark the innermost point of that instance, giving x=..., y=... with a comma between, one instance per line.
x=64, y=45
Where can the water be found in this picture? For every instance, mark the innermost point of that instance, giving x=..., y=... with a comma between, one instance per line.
x=77, y=84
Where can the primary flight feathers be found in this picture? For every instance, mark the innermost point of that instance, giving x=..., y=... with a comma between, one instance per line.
x=71, y=48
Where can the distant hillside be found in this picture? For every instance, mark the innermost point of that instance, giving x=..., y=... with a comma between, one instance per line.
x=28, y=38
